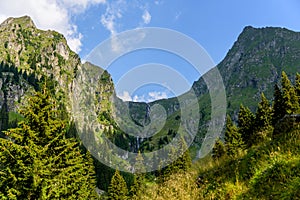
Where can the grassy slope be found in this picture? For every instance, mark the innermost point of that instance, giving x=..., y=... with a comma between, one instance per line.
x=270, y=170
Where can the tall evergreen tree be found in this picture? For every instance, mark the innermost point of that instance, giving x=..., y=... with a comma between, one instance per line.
x=4, y=117
x=233, y=139
x=246, y=121
x=263, y=116
x=297, y=86
x=39, y=162
x=289, y=96
x=278, y=105
x=138, y=186
x=263, y=121
x=218, y=150
x=182, y=163
x=117, y=189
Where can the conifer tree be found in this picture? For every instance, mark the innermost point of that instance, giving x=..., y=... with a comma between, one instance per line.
x=245, y=124
x=263, y=121
x=289, y=96
x=233, y=139
x=38, y=162
x=137, y=188
x=297, y=86
x=182, y=163
x=117, y=189
x=4, y=117
x=278, y=106
x=218, y=150
x=263, y=116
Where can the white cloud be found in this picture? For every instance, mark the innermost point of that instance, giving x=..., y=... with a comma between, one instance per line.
x=80, y=5
x=150, y=97
x=137, y=98
x=177, y=16
x=146, y=17
x=50, y=14
x=125, y=96
x=118, y=13
x=113, y=12
x=153, y=96
x=157, y=2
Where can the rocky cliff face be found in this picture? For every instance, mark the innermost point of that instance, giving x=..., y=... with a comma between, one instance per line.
x=34, y=54
x=29, y=56
x=254, y=64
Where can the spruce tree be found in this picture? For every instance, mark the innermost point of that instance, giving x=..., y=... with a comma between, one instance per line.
x=233, y=139
x=278, y=105
x=218, y=150
x=117, y=189
x=263, y=121
x=289, y=96
x=263, y=116
x=297, y=86
x=137, y=188
x=39, y=162
x=181, y=164
x=245, y=124
x=4, y=117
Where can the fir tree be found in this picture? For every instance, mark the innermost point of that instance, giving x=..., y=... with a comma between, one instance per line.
x=138, y=187
x=182, y=163
x=278, y=105
x=245, y=124
x=263, y=116
x=263, y=120
x=38, y=162
x=297, y=86
x=218, y=150
x=290, y=99
x=233, y=139
x=4, y=117
x=117, y=189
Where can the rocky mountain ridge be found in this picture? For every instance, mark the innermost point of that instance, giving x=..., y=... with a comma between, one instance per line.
x=29, y=56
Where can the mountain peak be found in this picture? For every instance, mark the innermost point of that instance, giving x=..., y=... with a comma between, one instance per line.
x=24, y=21
x=266, y=33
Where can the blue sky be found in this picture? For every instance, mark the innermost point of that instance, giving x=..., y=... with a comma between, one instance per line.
x=215, y=25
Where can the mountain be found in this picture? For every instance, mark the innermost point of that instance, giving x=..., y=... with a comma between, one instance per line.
x=255, y=62
x=34, y=55
x=252, y=66
x=30, y=56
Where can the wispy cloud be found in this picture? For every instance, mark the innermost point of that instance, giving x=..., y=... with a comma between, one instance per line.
x=115, y=19
x=146, y=17
x=79, y=6
x=113, y=12
x=157, y=2
x=50, y=14
x=177, y=16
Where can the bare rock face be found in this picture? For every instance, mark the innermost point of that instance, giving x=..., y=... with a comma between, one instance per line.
x=26, y=21
x=30, y=54
x=254, y=64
